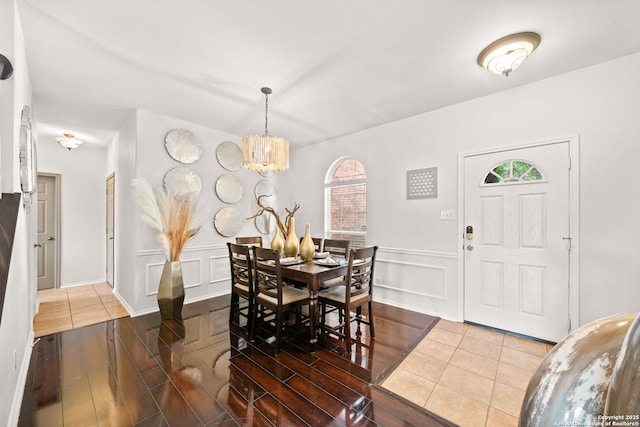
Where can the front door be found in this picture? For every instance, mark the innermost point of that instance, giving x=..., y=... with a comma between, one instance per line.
x=516, y=240
x=47, y=232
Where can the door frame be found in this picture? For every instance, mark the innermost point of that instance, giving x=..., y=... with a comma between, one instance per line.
x=574, y=221
x=112, y=175
x=58, y=191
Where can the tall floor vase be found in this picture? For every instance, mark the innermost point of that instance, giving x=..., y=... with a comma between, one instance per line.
x=171, y=291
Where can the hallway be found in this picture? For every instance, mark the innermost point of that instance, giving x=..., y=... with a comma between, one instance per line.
x=62, y=309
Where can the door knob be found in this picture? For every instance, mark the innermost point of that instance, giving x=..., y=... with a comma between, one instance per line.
x=51, y=238
x=469, y=247
x=38, y=245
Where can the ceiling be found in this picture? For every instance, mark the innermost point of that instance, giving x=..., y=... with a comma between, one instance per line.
x=335, y=66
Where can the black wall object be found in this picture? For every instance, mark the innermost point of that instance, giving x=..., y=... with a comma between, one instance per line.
x=9, y=206
x=6, y=69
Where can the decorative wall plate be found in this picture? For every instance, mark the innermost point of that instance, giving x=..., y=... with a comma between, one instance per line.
x=265, y=223
x=228, y=221
x=229, y=188
x=265, y=187
x=182, y=180
x=183, y=146
x=229, y=156
x=28, y=164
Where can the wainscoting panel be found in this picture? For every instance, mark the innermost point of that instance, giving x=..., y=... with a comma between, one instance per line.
x=205, y=271
x=421, y=281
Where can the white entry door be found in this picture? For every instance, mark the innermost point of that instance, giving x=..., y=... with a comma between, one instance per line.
x=516, y=246
x=47, y=232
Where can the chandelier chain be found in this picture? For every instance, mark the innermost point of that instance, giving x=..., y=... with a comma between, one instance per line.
x=266, y=113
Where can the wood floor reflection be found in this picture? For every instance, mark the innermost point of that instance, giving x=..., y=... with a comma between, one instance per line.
x=145, y=372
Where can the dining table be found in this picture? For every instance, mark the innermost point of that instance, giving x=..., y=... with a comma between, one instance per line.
x=312, y=274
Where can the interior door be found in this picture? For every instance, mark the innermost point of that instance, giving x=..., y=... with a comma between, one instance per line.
x=516, y=241
x=110, y=227
x=47, y=232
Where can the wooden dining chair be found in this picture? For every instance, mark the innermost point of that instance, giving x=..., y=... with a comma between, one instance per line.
x=276, y=297
x=356, y=291
x=337, y=247
x=242, y=284
x=250, y=241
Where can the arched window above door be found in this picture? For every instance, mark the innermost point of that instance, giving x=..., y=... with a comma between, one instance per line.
x=512, y=172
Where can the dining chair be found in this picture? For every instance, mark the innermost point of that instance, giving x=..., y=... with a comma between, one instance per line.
x=242, y=283
x=250, y=241
x=276, y=297
x=337, y=247
x=356, y=291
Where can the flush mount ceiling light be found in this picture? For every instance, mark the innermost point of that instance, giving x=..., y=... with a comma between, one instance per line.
x=68, y=141
x=506, y=54
x=265, y=152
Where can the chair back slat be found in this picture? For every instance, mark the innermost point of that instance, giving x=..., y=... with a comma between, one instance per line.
x=249, y=241
x=337, y=247
x=240, y=260
x=360, y=271
x=268, y=274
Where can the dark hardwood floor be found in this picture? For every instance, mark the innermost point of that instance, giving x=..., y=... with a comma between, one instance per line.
x=145, y=372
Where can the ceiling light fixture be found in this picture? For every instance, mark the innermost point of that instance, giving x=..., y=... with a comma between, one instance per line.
x=506, y=54
x=265, y=152
x=68, y=141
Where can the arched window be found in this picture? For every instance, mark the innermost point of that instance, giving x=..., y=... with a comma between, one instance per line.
x=346, y=202
x=513, y=171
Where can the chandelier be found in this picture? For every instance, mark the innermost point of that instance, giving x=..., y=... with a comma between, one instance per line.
x=265, y=152
x=506, y=54
x=68, y=141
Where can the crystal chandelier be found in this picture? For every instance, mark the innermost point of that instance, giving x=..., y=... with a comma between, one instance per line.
x=265, y=152
x=506, y=54
x=69, y=141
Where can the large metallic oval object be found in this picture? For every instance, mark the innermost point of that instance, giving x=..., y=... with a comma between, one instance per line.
x=570, y=386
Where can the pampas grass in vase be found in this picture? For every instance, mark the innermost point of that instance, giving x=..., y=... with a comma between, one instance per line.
x=169, y=215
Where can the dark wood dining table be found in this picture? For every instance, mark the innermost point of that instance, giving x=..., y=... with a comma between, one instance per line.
x=312, y=275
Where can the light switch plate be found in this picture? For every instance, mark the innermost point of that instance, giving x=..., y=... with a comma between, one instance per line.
x=448, y=215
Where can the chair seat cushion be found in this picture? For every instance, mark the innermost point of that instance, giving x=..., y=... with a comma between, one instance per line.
x=332, y=282
x=289, y=295
x=338, y=294
x=241, y=287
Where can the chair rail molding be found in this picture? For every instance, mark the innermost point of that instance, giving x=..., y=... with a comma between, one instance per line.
x=417, y=280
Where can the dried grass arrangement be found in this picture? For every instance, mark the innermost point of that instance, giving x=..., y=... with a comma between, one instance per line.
x=169, y=215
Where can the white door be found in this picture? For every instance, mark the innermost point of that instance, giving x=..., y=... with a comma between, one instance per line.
x=516, y=274
x=110, y=227
x=47, y=233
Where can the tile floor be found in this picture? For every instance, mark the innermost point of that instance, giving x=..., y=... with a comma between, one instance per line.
x=469, y=375
x=69, y=308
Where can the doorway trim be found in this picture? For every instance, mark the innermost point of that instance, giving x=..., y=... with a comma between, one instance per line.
x=574, y=221
x=58, y=191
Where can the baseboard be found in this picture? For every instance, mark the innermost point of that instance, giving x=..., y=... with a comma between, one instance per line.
x=16, y=404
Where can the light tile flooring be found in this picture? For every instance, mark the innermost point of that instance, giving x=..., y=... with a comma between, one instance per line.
x=69, y=308
x=469, y=375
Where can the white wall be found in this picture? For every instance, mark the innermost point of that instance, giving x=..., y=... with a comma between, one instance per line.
x=16, y=334
x=419, y=252
x=83, y=209
x=205, y=257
